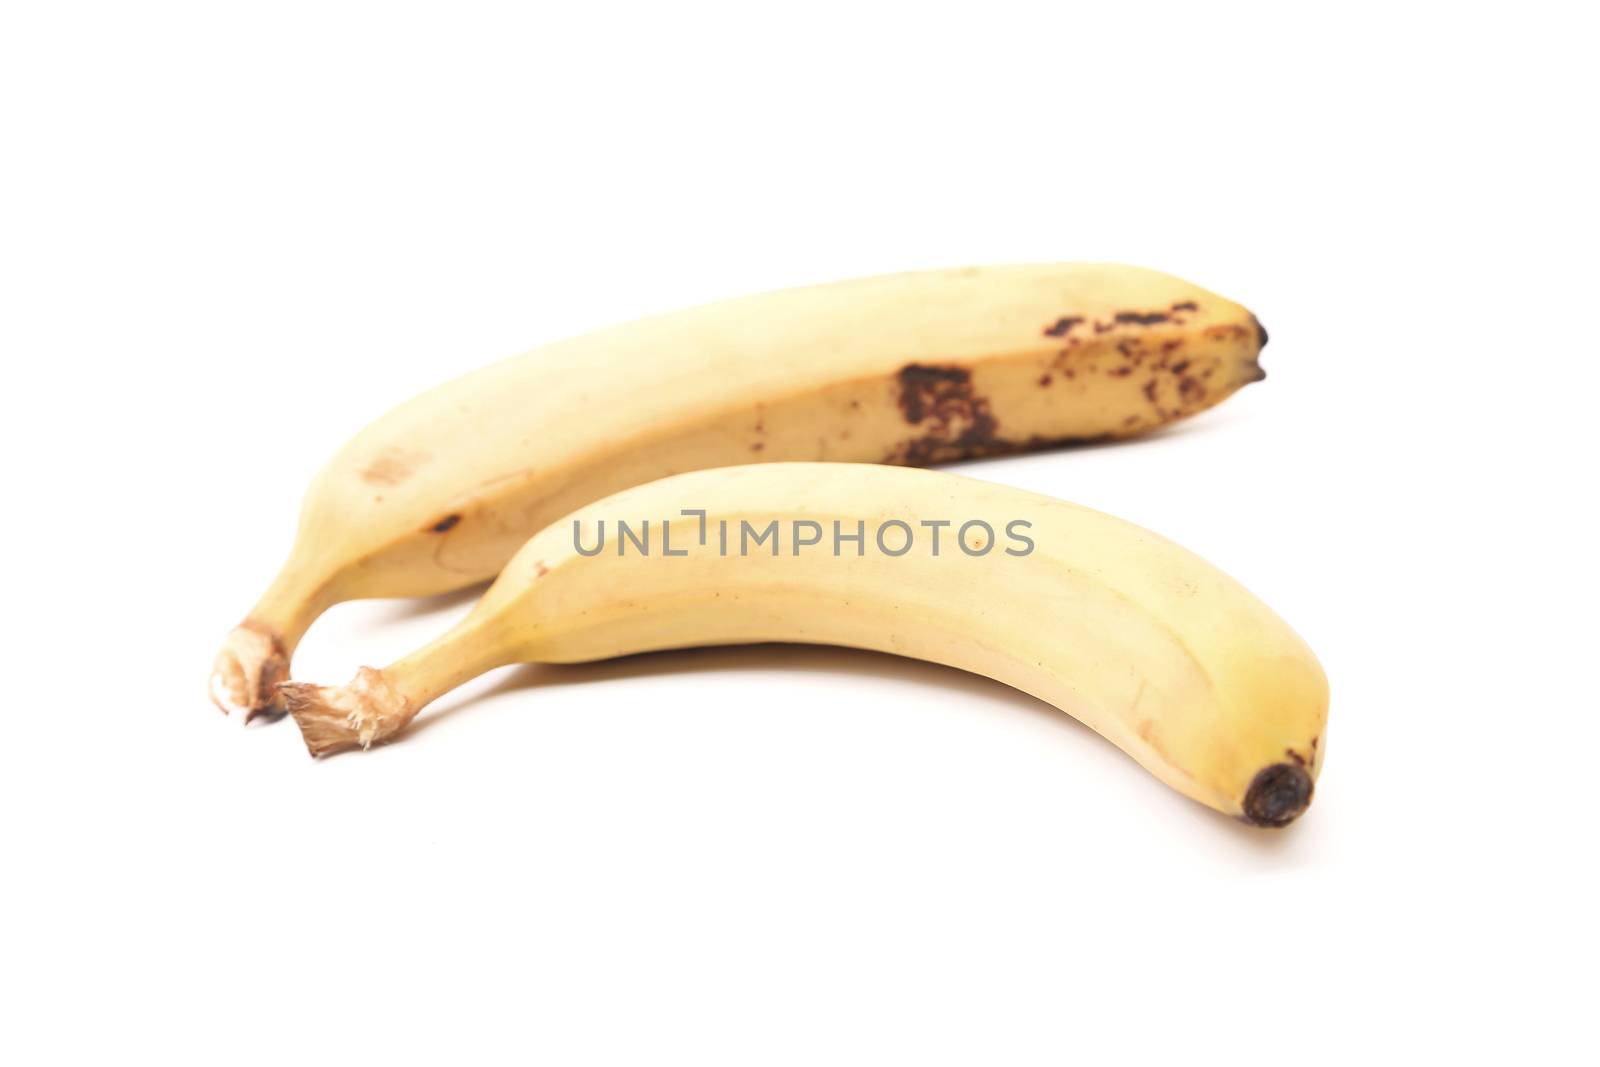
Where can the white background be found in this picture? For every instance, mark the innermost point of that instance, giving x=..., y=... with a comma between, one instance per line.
x=231, y=234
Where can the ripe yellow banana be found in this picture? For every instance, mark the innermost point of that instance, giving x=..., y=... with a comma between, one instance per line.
x=1145, y=642
x=906, y=369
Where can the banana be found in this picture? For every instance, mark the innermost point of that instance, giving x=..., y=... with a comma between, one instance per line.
x=1167, y=657
x=905, y=369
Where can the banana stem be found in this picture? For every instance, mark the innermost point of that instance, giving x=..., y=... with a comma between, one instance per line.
x=445, y=664
x=376, y=704
x=297, y=598
x=254, y=659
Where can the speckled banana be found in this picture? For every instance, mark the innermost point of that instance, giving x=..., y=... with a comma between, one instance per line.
x=1160, y=652
x=906, y=369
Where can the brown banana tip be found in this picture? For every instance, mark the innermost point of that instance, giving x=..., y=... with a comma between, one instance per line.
x=1254, y=371
x=1277, y=795
x=337, y=718
x=1261, y=333
x=248, y=670
x=324, y=728
x=271, y=712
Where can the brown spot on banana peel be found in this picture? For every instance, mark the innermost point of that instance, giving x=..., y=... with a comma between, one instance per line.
x=942, y=398
x=446, y=524
x=1148, y=318
x=1141, y=318
x=1277, y=795
x=921, y=452
x=1063, y=326
x=928, y=391
x=391, y=467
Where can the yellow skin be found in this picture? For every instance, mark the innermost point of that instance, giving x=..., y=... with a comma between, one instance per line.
x=1166, y=656
x=908, y=369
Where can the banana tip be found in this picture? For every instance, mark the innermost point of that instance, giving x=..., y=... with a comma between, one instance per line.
x=1261, y=334
x=325, y=727
x=1277, y=795
x=1254, y=371
x=248, y=670
x=358, y=715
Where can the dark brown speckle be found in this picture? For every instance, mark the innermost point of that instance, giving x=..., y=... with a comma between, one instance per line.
x=1277, y=795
